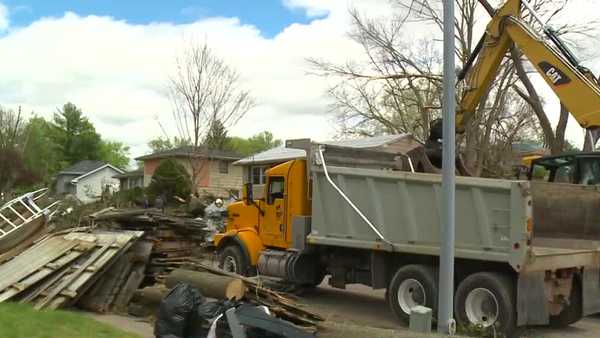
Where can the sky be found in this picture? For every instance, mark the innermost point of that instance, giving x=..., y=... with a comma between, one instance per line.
x=113, y=59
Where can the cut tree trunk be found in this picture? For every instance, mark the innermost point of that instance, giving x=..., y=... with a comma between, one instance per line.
x=151, y=295
x=209, y=284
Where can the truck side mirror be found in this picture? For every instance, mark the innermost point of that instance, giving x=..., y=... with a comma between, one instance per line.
x=247, y=194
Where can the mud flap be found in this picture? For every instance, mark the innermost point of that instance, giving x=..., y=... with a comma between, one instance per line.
x=591, y=290
x=532, y=307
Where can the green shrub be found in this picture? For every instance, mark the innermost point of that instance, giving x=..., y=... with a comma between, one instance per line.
x=170, y=179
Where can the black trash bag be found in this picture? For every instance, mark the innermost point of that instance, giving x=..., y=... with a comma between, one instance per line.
x=204, y=315
x=176, y=311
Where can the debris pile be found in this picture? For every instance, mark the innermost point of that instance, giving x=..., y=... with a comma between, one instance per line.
x=102, y=266
x=186, y=313
x=174, y=239
x=241, y=295
x=278, y=303
x=66, y=268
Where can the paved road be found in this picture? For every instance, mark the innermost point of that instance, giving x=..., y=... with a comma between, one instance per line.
x=362, y=306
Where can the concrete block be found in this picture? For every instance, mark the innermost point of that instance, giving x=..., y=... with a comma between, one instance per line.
x=420, y=319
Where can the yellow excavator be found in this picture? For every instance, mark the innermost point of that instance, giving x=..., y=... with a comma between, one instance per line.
x=576, y=86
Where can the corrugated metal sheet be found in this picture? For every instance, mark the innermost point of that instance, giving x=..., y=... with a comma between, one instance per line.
x=282, y=154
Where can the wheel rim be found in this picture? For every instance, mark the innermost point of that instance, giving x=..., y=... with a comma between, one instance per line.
x=411, y=293
x=482, y=307
x=229, y=264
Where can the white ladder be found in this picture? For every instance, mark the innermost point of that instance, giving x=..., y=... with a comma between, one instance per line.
x=22, y=210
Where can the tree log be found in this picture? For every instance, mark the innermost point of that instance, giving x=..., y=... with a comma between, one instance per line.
x=151, y=295
x=209, y=284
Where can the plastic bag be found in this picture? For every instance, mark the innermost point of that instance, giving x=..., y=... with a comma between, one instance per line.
x=176, y=311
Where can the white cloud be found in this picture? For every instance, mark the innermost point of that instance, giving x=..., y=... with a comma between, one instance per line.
x=117, y=72
x=4, y=19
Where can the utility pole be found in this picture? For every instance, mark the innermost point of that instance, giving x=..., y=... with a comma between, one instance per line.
x=446, y=323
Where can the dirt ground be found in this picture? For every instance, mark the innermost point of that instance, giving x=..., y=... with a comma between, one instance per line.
x=359, y=312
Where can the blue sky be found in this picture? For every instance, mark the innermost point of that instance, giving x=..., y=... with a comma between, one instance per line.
x=270, y=16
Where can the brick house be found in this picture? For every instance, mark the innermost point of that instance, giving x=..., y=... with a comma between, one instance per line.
x=215, y=173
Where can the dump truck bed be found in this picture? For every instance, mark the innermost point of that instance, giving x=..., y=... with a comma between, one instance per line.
x=491, y=218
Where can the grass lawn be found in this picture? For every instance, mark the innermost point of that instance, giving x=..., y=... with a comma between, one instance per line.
x=21, y=321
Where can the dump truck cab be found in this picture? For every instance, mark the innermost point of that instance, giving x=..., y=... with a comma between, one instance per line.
x=254, y=225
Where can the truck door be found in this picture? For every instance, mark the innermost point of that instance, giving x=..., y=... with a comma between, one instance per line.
x=273, y=225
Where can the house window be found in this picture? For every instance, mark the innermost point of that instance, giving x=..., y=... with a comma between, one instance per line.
x=223, y=167
x=258, y=175
x=276, y=189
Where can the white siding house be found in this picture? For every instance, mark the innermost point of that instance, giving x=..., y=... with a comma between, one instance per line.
x=86, y=180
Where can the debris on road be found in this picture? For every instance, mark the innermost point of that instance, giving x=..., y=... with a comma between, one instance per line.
x=197, y=275
x=185, y=312
x=258, y=294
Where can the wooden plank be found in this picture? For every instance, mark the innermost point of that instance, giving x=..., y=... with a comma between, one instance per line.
x=66, y=282
x=38, y=276
x=141, y=253
x=32, y=260
x=101, y=294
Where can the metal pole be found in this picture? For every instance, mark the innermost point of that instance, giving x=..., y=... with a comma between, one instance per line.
x=445, y=322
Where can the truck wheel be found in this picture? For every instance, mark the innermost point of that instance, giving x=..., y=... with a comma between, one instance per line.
x=484, y=301
x=231, y=259
x=573, y=312
x=412, y=285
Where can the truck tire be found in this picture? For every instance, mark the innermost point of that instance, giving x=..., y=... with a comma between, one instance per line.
x=485, y=302
x=231, y=259
x=573, y=312
x=412, y=285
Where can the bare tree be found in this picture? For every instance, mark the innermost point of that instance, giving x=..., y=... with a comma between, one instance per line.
x=205, y=90
x=399, y=87
x=398, y=90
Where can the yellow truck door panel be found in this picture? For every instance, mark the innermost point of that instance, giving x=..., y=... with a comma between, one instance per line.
x=272, y=223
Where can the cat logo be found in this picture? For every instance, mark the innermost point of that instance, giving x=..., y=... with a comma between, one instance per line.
x=555, y=75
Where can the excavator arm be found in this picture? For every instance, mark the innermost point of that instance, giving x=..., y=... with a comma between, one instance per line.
x=575, y=87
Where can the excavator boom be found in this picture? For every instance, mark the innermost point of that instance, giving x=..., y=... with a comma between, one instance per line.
x=577, y=90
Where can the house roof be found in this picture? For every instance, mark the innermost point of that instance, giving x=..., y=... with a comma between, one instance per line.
x=133, y=173
x=280, y=154
x=107, y=165
x=186, y=151
x=82, y=167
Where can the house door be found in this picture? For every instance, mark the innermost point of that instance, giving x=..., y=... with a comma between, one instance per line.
x=273, y=227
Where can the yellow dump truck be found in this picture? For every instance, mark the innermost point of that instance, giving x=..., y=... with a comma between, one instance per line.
x=350, y=214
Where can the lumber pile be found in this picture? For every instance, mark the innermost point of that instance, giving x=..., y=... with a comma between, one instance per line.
x=81, y=267
x=175, y=239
